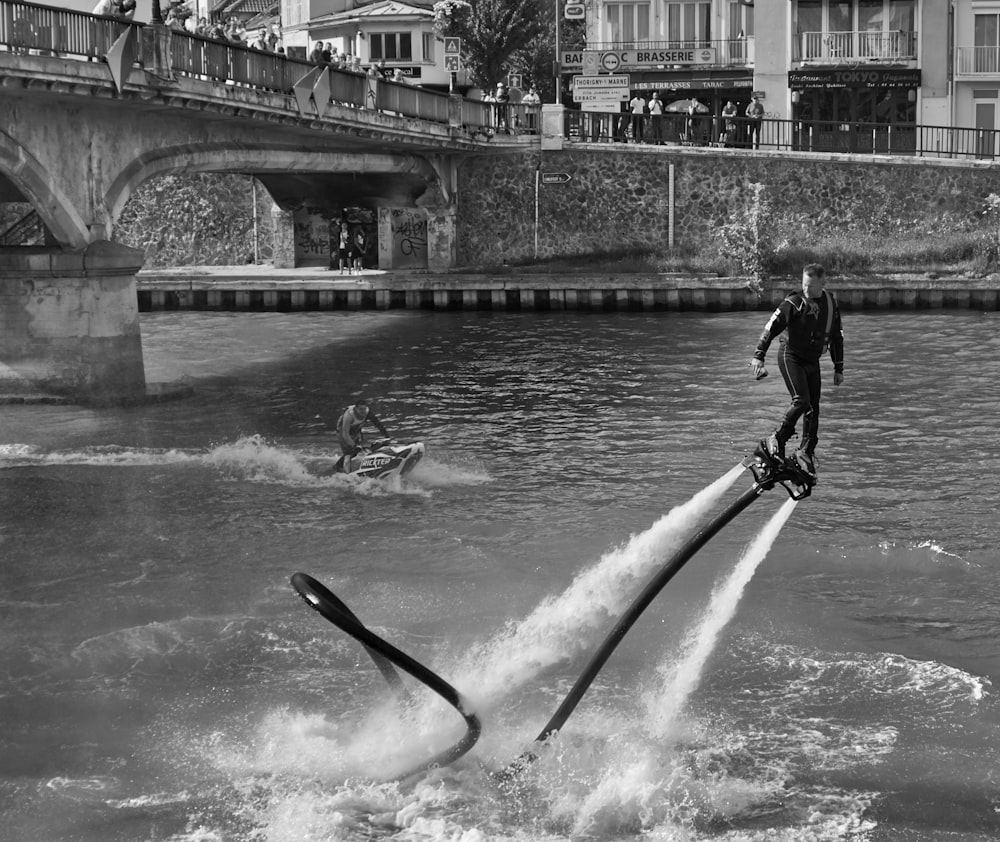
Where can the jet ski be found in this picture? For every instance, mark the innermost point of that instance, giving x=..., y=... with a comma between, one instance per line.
x=382, y=459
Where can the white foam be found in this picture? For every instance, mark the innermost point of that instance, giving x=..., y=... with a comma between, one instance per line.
x=680, y=677
x=564, y=625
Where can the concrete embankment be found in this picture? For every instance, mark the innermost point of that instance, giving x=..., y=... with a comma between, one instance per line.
x=263, y=288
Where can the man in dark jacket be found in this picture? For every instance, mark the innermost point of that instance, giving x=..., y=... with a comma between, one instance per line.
x=810, y=320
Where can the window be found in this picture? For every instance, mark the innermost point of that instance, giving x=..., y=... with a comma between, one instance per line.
x=740, y=21
x=428, y=46
x=689, y=22
x=293, y=12
x=391, y=46
x=987, y=43
x=628, y=23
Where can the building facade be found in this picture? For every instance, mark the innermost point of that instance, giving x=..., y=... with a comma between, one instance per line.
x=879, y=61
x=401, y=35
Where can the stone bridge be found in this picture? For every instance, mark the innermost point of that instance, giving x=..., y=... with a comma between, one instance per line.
x=90, y=108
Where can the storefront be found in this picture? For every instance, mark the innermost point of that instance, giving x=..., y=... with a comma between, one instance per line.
x=882, y=95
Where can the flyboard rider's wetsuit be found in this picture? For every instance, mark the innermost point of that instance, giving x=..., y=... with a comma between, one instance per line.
x=811, y=325
x=349, y=431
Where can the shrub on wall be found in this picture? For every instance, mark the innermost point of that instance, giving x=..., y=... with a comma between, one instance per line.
x=749, y=238
x=198, y=219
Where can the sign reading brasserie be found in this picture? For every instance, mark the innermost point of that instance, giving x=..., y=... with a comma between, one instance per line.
x=641, y=58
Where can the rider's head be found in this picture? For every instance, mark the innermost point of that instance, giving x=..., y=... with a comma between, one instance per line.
x=813, y=280
x=361, y=409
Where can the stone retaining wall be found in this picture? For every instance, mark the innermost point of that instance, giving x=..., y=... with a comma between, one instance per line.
x=617, y=197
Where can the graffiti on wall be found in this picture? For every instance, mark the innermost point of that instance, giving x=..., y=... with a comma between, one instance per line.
x=403, y=237
x=312, y=237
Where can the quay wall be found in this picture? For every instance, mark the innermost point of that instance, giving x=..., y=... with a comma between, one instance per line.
x=160, y=290
x=617, y=200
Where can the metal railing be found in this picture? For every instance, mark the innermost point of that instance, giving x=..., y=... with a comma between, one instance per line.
x=985, y=60
x=42, y=30
x=28, y=230
x=868, y=45
x=729, y=52
x=909, y=140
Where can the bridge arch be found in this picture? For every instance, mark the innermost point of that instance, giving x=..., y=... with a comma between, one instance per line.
x=29, y=177
x=403, y=179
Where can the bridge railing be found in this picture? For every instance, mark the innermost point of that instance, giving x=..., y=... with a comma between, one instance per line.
x=794, y=135
x=29, y=26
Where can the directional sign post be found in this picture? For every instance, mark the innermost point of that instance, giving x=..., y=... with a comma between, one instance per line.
x=555, y=177
x=452, y=59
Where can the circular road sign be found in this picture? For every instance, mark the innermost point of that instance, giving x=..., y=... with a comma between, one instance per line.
x=610, y=62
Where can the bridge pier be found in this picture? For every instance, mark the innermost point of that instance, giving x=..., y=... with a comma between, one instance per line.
x=69, y=322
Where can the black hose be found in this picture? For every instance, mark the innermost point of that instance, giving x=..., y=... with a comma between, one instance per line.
x=384, y=654
x=633, y=612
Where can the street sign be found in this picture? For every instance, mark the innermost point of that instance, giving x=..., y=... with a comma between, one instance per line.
x=601, y=89
x=574, y=11
x=555, y=177
x=452, y=46
x=452, y=63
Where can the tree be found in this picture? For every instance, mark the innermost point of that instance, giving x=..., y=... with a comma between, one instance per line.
x=492, y=31
x=535, y=60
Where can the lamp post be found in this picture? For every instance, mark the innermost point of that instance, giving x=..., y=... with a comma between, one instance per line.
x=157, y=15
x=556, y=65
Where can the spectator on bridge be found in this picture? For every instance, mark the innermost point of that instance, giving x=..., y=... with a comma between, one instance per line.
x=260, y=42
x=316, y=55
x=532, y=100
x=233, y=31
x=381, y=69
x=502, y=99
x=126, y=10
x=397, y=76
x=638, y=108
x=217, y=31
x=355, y=66
x=755, y=116
x=273, y=37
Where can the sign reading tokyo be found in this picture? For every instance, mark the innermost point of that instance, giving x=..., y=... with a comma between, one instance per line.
x=612, y=60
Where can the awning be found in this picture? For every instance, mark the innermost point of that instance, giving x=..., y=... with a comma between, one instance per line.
x=680, y=80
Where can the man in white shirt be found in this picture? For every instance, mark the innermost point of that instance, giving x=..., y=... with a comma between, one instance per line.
x=656, y=118
x=638, y=108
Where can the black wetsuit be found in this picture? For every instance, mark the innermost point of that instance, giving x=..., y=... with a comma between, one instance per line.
x=810, y=326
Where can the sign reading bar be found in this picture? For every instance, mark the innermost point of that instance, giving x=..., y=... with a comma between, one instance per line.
x=612, y=60
x=601, y=89
x=555, y=177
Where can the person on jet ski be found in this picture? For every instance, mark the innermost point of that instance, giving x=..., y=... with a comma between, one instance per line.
x=350, y=431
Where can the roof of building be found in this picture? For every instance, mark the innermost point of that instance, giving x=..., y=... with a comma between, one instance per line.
x=382, y=9
x=245, y=7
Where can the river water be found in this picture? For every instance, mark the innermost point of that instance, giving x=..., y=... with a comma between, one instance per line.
x=821, y=670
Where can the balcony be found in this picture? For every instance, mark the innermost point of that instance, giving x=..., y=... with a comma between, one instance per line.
x=735, y=52
x=978, y=61
x=869, y=46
